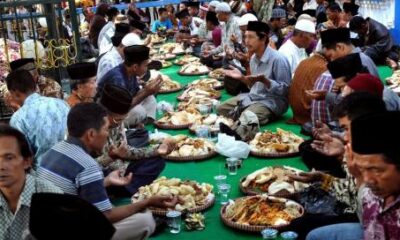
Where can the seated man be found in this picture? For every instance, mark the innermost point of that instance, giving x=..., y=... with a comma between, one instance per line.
x=375, y=38
x=46, y=86
x=294, y=49
x=376, y=157
x=43, y=120
x=83, y=83
x=144, y=163
x=70, y=165
x=269, y=84
x=125, y=75
x=16, y=185
x=344, y=190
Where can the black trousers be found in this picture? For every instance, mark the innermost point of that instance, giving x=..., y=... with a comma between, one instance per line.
x=320, y=162
x=144, y=172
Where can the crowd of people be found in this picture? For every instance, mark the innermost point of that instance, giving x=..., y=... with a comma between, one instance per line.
x=318, y=58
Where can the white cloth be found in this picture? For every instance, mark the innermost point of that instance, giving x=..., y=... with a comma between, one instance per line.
x=293, y=54
x=131, y=39
x=312, y=5
x=105, y=35
x=109, y=61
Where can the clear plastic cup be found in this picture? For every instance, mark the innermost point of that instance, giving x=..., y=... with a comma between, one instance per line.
x=224, y=190
x=203, y=131
x=232, y=164
x=289, y=235
x=174, y=221
x=203, y=109
x=269, y=233
x=219, y=179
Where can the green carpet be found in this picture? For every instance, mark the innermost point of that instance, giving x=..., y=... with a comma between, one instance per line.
x=204, y=171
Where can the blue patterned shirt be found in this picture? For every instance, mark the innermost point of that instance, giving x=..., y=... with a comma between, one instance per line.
x=70, y=167
x=118, y=76
x=109, y=61
x=43, y=120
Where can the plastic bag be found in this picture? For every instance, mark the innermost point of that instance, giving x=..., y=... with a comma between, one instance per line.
x=164, y=106
x=229, y=147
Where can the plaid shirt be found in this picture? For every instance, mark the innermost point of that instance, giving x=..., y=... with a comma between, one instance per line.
x=115, y=137
x=320, y=110
x=15, y=225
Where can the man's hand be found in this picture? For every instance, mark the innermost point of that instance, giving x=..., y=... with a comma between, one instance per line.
x=329, y=146
x=119, y=152
x=166, y=147
x=153, y=86
x=351, y=164
x=309, y=177
x=316, y=94
x=321, y=129
x=259, y=78
x=242, y=57
x=233, y=73
x=116, y=178
x=163, y=201
x=234, y=38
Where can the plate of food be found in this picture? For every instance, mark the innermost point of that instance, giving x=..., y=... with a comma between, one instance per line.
x=192, y=196
x=186, y=59
x=174, y=48
x=203, y=92
x=163, y=56
x=193, y=69
x=273, y=181
x=279, y=144
x=255, y=213
x=155, y=39
x=178, y=120
x=191, y=149
x=394, y=82
x=208, y=82
x=217, y=74
x=167, y=85
x=211, y=121
x=165, y=64
x=197, y=101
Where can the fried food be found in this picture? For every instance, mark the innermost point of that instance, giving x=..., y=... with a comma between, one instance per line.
x=186, y=147
x=280, y=142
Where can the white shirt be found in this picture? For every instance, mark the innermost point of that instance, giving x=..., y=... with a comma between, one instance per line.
x=293, y=54
x=109, y=61
x=194, y=25
x=104, y=42
x=312, y=5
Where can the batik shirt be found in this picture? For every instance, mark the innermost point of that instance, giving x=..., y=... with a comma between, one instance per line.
x=43, y=120
x=49, y=87
x=109, y=61
x=15, y=225
x=115, y=138
x=379, y=222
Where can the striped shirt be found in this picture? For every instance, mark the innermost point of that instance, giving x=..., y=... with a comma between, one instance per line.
x=320, y=110
x=72, y=169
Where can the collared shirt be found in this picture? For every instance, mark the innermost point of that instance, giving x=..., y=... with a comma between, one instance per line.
x=109, y=61
x=105, y=35
x=320, y=110
x=119, y=76
x=293, y=54
x=43, y=120
x=49, y=87
x=276, y=69
x=380, y=222
x=320, y=9
x=115, y=138
x=70, y=167
x=194, y=26
x=230, y=28
x=15, y=225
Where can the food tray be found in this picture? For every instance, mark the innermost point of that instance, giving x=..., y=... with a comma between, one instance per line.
x=191, y=158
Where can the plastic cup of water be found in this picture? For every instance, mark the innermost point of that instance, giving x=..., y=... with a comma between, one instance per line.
x=289, y=235
x=232, y=165
x=174, y=221
x=203, y=109
x=269, y=233
x=203, y=131
x=224, y=190
x=219, y=180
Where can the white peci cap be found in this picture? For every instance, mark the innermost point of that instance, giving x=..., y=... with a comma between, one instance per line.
x=223, y=7
x=213, y=4
x=131, y=39
x=245, y=19
x=305, y=26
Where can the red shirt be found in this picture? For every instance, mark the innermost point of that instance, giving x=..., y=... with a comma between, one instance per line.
x=217, y=36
